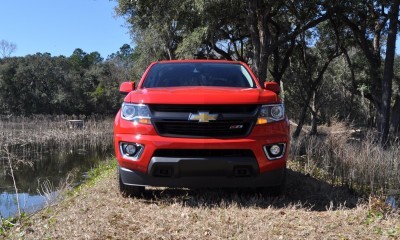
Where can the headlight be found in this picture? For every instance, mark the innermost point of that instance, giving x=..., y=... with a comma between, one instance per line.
x=136, y=112
x=271, y=113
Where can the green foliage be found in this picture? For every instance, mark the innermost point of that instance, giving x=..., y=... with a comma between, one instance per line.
x=80, y=84
x=284, y=41
x=98, y=171
x=105, y=168
x=191, y=42
x=271, y=37
x=180, y=29
x=8, y=223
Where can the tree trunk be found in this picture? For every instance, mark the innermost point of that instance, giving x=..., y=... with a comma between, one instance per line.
x=303, y=115
x=314, y=123
x=265, y=41
x=252, y=21
x=260, y=36
x=396, y=115
x=372, y=115
x=384, y=113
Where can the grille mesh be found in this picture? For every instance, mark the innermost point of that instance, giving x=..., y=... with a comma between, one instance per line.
x=174, y=121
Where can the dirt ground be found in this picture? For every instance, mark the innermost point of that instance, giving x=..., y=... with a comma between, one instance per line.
x=309, y=209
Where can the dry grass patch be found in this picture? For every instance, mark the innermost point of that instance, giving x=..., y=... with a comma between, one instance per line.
x=347, y=157
x=40, y=132
x=309, y=209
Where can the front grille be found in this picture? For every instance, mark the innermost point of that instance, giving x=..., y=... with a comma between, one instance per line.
x=232, y=120
x=223, y=129
x=203, y=153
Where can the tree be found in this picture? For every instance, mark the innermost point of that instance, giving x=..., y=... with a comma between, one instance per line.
x=28, y=84
x=367, y=21
x=274, y=25
x=384, y=113
x=125, y=60
x=7, y=48
x=42, y=84
x=395, y=118
x=221, y=31
x=156, y=26
x=306, y=75
x=254, y=31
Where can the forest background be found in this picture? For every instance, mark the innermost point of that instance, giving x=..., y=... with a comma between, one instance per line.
x=335, y=60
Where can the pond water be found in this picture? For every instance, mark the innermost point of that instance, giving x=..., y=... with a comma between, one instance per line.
x=38, y=183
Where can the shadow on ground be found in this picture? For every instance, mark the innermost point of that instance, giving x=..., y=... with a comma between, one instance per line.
x=301, y=191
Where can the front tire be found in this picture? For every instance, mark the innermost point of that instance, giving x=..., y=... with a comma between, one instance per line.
x=129, y=190
x=278, y=190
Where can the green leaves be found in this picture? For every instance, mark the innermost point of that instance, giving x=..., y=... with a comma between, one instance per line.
x=191, y=42
x=81, y=84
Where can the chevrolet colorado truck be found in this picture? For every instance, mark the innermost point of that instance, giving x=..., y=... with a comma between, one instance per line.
x=200, y=123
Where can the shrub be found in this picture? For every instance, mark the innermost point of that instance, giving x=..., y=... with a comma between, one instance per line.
x=349, y=157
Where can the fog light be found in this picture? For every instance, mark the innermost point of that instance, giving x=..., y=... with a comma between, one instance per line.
x=130, y=149
x=275, y=150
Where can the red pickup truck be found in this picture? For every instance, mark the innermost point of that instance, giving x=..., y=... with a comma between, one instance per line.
x=200, y=123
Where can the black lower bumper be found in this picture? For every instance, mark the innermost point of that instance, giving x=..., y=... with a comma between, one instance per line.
x=203, y=172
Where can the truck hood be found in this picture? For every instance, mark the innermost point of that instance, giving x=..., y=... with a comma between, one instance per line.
x=202, y=95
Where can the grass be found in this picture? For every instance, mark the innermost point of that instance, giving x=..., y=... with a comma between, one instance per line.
x=40, y=133
x=353, y=159
x=322, y=199
x=7, y=223
x=310, y=209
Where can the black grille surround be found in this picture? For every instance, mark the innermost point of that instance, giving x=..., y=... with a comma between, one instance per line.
x=203, y=153
x=232, y=121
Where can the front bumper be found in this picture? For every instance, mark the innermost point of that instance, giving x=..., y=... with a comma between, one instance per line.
x=267, y=179
x=152, y=143
x=201, y=171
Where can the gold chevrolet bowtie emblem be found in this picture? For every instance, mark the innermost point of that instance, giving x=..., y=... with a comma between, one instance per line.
x=203, y=117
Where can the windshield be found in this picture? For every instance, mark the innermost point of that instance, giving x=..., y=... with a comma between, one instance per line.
x=198, y=74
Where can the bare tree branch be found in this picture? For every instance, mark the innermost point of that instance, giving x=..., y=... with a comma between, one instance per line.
x=7, y=48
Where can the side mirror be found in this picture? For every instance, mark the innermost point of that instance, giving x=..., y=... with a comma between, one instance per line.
x=127, y=87
x=272, y=86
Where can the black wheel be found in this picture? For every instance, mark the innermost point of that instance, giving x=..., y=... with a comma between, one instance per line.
x=129, y=190
x=277, y=190
x=280, y=189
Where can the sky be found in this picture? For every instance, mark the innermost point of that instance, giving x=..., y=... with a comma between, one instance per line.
x=60, y=26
